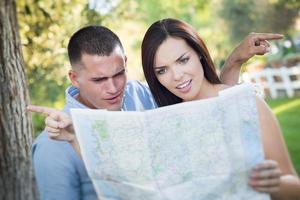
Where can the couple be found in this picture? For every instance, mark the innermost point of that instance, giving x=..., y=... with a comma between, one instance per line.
x=178, y=68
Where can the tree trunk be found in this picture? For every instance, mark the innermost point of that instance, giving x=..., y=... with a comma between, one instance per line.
x=16, y=174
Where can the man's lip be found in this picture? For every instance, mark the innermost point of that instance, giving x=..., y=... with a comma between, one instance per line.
x=114, y=97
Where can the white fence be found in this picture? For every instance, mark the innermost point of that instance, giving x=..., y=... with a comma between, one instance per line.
x=272, y=81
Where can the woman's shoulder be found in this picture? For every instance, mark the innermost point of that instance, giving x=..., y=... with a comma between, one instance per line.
x=239, y=88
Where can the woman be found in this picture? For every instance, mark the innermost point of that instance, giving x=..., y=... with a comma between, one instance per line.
x=178, y=68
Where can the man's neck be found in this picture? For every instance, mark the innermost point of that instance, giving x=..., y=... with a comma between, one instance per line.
x=84, y=102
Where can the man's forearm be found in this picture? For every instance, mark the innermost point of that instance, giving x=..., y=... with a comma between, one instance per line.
x=74, y=143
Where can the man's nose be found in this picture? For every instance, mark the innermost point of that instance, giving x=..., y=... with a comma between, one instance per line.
x=111, y=86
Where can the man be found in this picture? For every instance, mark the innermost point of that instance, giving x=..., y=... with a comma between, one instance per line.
x=98, y=76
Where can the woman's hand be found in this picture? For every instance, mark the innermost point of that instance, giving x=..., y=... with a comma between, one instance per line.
x=265, y=177
x=253, y=44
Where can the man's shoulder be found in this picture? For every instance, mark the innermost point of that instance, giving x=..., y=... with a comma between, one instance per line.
x=44, y=140
x=58, y=168
x=47, y=149
x=138, y=96
x=57, y=158
x=138, y=88
x=137, y=85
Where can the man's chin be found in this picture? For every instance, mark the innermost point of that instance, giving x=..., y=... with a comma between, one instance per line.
x=114, y=107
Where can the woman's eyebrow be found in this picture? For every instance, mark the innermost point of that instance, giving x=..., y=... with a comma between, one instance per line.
x=180, y=57
x=177, y=60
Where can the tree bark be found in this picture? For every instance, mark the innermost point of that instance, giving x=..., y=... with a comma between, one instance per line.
x=16, y=174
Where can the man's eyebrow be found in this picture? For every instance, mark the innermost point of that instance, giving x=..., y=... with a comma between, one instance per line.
x=121, y=70
x=105, y=77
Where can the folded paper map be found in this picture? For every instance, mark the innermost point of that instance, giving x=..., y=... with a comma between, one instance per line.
x=195, y=150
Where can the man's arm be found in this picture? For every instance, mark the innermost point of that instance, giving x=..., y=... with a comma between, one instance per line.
x=59, y=125
x=253, y=44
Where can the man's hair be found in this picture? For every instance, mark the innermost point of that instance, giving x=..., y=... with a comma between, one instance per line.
x=92, y=40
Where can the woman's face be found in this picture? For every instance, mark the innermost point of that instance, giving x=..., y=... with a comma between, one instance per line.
x=178, y=68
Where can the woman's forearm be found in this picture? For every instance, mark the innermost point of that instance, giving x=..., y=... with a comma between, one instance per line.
x=230, y=72
x=289, y=188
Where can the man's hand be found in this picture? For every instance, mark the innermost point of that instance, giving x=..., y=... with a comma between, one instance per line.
x=253, y=44
x=58, y=124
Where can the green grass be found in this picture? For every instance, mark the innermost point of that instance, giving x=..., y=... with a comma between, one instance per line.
x=288, y=114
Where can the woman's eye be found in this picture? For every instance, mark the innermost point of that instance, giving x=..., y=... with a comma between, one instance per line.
x=161, y=71
x=184, y=60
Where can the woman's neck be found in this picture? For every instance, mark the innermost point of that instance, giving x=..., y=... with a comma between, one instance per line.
x=209, y=90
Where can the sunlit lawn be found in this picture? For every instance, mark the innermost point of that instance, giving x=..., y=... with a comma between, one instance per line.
x=288, y=114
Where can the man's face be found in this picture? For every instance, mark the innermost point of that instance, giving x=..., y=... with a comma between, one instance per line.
x=101, y=80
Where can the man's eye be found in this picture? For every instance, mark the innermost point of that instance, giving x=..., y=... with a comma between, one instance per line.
x=99, y=80
x=184, y=60
x=161, y=71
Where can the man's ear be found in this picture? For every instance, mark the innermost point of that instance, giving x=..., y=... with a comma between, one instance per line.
x=125, y=58
x=73, y=76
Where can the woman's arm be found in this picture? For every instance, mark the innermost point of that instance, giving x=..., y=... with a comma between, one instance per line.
x=253, y=44
x=277, y=175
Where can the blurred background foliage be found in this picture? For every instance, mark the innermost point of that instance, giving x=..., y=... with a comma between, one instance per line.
x=46, y=26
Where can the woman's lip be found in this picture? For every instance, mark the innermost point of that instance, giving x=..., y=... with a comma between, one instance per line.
x=186, y=83
x=186, y=88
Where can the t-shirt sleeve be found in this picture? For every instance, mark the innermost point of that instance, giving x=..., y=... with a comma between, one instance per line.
x=55, y=170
